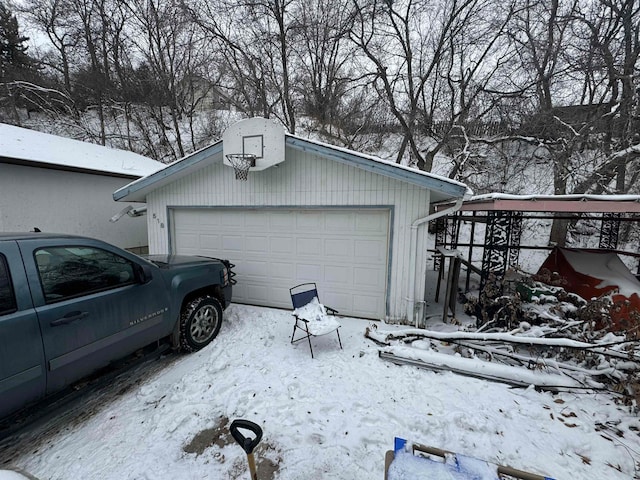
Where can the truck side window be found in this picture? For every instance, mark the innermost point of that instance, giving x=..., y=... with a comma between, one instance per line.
x=7, y=298
x=73, y=271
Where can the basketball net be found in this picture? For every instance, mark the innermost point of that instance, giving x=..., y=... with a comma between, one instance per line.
x=241, y=163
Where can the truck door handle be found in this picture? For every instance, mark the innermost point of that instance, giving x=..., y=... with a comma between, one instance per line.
x=68, y=318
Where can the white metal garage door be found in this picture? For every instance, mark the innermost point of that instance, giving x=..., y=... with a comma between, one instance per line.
x=345, y=251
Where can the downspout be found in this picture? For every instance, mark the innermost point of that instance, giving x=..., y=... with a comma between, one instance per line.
x=411, y=288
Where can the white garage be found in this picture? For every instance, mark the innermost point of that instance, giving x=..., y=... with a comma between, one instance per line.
x=301, y=211
x=344, y=250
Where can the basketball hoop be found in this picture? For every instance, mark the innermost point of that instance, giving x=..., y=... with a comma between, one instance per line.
x=241, y=163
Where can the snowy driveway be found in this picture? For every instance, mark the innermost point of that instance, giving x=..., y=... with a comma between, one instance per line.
x=331, y=417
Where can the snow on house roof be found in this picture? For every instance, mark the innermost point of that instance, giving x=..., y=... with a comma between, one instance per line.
x=32, y=147
x=443, y=188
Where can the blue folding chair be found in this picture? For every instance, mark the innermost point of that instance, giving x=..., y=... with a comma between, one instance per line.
x=311, y=317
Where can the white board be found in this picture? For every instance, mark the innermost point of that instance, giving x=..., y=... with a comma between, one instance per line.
x=260, y=137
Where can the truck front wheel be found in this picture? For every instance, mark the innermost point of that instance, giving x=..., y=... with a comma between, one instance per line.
x=200, y=322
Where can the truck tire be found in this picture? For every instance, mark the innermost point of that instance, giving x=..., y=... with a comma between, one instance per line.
x=200, y=322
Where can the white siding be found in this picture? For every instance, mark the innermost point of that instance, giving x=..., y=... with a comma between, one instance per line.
x=58, y=201
x=305, y=180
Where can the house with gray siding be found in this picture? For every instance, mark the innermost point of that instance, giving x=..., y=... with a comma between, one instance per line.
x=307, y=212
x=60, y=185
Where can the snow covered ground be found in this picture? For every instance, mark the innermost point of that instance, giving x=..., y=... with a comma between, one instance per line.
x=334, y=416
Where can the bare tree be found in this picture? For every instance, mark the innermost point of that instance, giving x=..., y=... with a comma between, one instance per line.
x=421, y=65
x=472, y=80
x=55, y=19
x=573, y=89
x=243, y=59
x=169, y=44
x=611, y=59
x=539, y=34
x=86, y=37
x=325, y=57
x=255, y=42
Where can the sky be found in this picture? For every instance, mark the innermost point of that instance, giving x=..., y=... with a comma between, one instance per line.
x=334, y=416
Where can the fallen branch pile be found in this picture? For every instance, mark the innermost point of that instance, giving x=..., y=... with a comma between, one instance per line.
x=520, y=357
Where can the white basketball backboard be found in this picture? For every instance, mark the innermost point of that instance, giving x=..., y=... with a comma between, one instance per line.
x=257, y=136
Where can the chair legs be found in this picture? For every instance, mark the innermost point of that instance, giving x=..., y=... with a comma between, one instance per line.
x=308, y=337
x=310, y=347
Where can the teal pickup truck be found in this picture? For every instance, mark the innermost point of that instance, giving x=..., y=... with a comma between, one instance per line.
x=71, y=305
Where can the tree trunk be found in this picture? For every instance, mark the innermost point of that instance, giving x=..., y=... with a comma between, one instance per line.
x=559, y=227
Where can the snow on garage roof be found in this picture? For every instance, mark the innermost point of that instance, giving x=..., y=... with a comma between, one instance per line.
x=442, y=188
x=21, y=145
x=438, y=183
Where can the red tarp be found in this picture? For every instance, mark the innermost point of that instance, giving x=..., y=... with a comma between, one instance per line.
x=593, y=273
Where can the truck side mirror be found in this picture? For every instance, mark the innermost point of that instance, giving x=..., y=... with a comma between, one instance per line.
x=144, y=274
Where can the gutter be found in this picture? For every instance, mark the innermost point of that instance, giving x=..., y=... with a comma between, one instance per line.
x=411, y=287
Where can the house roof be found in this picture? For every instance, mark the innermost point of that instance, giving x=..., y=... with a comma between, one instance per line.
x=576, y=203
x=443, y=188
x=29, y=147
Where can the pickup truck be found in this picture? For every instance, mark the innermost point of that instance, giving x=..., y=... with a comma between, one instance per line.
x=71, y=305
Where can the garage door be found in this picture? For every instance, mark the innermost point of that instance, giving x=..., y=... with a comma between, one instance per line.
x=344, y=251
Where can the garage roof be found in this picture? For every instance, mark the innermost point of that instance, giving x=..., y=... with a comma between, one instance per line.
x=28, y=147
x=443, y=188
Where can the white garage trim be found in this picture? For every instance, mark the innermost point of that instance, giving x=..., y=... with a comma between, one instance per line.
x=345, y=249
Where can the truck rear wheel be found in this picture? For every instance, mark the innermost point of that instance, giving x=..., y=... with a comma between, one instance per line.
x=200, y=322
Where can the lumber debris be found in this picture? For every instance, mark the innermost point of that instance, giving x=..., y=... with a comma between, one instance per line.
x=521, y=360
